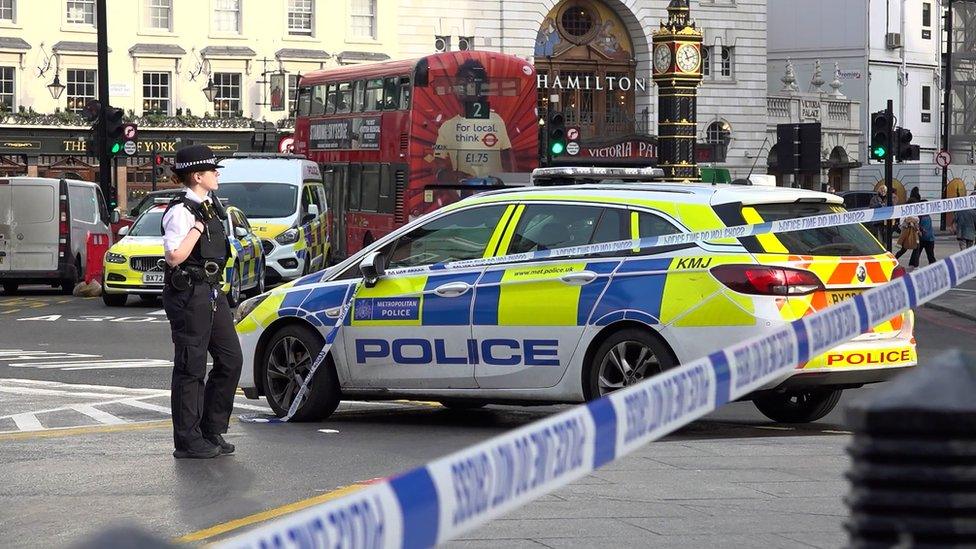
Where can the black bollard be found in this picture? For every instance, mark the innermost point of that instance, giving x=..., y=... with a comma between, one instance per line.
x=913, y=470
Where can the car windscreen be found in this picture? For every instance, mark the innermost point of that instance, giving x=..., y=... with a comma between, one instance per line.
x=829, y=241
x=261, y=200
x=150, y=224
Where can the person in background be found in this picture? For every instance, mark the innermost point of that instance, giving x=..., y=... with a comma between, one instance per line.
x=964, y=225
x=926, y=241
x=879, y=200
x=909, y=238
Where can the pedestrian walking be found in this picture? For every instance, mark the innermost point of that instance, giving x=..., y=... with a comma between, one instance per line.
x=879, y=200
x=196, y=252
x=926, y=242
x=964, y=225
x=909, y=237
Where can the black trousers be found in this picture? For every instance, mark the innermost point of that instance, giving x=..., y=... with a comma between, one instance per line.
x=200, y=407
x=929, y=247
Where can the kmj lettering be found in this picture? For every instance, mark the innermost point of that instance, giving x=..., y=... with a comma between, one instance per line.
x=491, y=352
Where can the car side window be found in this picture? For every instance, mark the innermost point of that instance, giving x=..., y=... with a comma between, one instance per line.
x=652, y=225
x=549, y=226
x=306, y=199
x=453, y=237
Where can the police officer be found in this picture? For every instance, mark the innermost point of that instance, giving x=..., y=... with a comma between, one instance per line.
x=196, y=253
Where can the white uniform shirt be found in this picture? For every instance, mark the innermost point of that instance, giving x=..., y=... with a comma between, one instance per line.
x=178, y=222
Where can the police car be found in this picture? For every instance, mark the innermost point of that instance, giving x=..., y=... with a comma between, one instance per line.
x=573, y=329
x=131, y=264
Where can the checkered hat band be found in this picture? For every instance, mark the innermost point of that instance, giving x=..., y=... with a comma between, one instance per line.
x=185, y=165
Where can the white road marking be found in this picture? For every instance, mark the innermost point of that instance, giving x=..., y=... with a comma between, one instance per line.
x=161, y=312
x=17, y=354
x=774, y=428
x=98, y=415
x=135, y=403
x=329, y=431
x=58, y=384
x=53, y=392
x=27, y=422
x=96, y=365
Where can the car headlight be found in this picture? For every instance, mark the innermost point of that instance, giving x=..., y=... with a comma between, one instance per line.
x=114, y=257
x=288, y=237
x=247, y=306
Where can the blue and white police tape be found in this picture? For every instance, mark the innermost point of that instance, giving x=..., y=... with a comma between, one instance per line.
x=781, y=226
x=443, y=499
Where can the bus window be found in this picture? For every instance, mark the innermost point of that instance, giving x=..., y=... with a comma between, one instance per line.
x=370, y=186
x=405, y=93
x=304, y=101
x=374, y=94
x=358, y=89
x=387, y=203
x=318, y=101
x=391, y=94
x=344, y=98
x=354, y=187
x=330, y=100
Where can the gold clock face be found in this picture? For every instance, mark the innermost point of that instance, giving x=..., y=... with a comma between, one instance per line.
x=662, y=58
x=688, y=57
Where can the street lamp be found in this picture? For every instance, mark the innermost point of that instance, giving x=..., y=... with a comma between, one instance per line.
x=210, y=91
x=55, y=87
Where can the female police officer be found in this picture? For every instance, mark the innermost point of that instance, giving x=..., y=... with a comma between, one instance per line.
x=196, y=252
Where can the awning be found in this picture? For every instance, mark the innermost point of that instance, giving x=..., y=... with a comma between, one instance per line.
x=361, y=57
x=302, y=54
x=231, y=52
x=13, y=44
x=156, y=50
x=84, y=48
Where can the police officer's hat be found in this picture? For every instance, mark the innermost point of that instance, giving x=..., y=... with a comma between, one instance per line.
x=195, y=158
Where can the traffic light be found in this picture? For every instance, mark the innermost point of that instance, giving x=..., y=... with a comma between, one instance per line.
x=556, y=130
x=159, y=165
x=113, y=129
x=904, y=150
x=881, y=127
x=90, y=113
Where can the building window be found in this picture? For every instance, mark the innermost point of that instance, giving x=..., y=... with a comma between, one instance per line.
x=81, y=12
x=227, y=16
x=926, y=103
x=80, y=88
x=727, y=60
x=926, y=20
x=300, y=17
x=362, y=18
x=292, y=93
x=160, y=14
x=577, y=21
x=719, y=133
x=706, y=62
x=227, y=101
x=8, y=10
x=155, y=92
x=6, y=89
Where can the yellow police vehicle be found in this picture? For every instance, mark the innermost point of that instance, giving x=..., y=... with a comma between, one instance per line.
x=573, y=329
x=284, y=198
x=132, y=263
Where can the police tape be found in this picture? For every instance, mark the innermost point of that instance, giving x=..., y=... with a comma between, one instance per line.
x=454, y=494
x=641, y=244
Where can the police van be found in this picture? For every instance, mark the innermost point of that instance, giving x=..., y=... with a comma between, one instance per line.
x=571, y=329
x=284, y=199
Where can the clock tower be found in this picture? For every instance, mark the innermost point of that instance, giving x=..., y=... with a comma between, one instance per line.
x=677, y=62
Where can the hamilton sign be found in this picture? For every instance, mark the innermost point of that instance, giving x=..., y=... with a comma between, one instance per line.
x=590, y=82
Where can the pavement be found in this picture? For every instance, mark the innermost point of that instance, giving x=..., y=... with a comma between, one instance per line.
x=960, y=301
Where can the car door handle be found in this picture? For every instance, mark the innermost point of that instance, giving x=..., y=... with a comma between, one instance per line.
x=452, y=289
x=579, y=279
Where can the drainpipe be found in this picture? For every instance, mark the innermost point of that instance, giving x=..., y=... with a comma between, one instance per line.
x=904, y=67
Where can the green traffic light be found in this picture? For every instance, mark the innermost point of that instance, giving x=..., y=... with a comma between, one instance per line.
x=557, y=148
x=880, y=152
x=116, y=147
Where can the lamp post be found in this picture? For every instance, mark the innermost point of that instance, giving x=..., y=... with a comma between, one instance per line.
x=56, y=88
x=210, y=91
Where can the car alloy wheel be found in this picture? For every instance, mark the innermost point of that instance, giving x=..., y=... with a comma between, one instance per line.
x=625, y=364
x=288, y=366
x=235, y=287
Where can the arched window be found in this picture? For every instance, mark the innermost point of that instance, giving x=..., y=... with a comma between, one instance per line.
x=706, y=62
x=719, y=132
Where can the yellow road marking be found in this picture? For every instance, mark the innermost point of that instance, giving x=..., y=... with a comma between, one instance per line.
x=421, y=403
x=8, y=312
x=274, y=512
x=68, y=431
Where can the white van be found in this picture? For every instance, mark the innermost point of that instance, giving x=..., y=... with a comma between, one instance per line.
x=283, y=197
x=44, y=228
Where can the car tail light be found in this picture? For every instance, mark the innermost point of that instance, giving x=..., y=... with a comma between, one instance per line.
x=64, y=231
x=898, y=272
x=761, y=280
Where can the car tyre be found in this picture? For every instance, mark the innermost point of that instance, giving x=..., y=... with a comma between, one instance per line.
x=114, y=300
x=291, y=352
x=798, y=406
x=68, y=284
x=259, y=287
x=645, y=356
x=10, y=288
x=234, y=295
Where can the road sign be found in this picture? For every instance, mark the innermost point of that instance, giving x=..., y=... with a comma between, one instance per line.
x=286, y=144
x=130, y=131
x=129, y=148
x=943, y=159
x=573, y=134
x=572, y=148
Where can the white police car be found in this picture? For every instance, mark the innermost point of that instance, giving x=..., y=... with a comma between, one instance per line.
x=573, y=329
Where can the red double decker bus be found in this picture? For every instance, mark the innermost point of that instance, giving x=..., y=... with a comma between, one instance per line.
x=398, y=139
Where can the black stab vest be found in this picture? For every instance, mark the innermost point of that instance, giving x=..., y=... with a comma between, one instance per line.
x=213, y=244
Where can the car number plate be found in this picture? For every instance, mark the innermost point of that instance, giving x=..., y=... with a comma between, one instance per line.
x=836, y=297
x=152, y=278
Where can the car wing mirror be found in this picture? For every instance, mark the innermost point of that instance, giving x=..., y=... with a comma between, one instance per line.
x=240, y=232
x=372, y=267
x=114, y=217
x=123, y=231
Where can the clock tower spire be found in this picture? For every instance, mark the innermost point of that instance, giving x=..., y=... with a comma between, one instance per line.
x=677, y=72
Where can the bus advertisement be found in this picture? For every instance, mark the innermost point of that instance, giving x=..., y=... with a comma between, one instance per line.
x=399, y=139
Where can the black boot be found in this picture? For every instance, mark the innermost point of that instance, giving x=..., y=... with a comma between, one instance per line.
x=198, y=450
x=218, y=440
